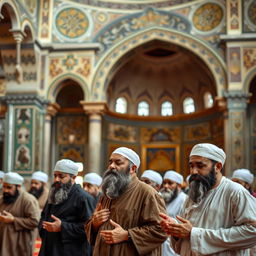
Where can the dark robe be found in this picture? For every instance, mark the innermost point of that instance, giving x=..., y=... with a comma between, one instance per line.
x=136, y=210
x=73, y=212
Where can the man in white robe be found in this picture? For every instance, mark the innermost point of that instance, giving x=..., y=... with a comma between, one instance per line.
x=174, y=199
x=219, y=217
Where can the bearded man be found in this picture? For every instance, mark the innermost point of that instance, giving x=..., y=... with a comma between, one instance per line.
x=174, y=199
x=219, y=217
x=19, y=217
x=152, y=178
x=38, y=187
x=126, y=221
x=64, y=215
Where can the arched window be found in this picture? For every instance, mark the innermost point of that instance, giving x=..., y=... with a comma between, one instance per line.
x=121, y=105
x=143, y=108
x=166, y=108
x=188, y=105
x=208, y=100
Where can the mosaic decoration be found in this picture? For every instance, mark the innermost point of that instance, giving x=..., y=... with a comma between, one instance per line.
x=73, y=152
x=149, y=135
x=31, y=5
x=23, y=153
x=72, y=22
x=198, y=132
x=216, y=65
x=77, y=64
x=132, y=5
x=234, y=58
x=234, y=15
x=71, y=130
x=119, y=132
x=249, y=55
x=44, y=21
x=252, y=12
x=118, y=31
x=207, y=17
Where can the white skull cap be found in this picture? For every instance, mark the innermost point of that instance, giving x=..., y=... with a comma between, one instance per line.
x=129, y=154
x=1, y=174
x=66, y=166
x=209, y=151
x=41, y=176
x=13, y=178
x=174, y=176
x=244, y=175
x=153, y=176
x=93, y=178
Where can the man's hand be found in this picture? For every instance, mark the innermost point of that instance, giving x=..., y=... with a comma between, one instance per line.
x=52, y=226
x=114, y=236
x=99, y=216
x=172, y=228
x=6, y=217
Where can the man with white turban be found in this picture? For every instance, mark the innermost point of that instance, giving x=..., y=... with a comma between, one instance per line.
x=126, y=220
x=62, y=220
x=19, y=218
x=38, y=187
x=92, y=184
x=219, y=217
x=174, y=199
x=152, y=178
x=243, y=177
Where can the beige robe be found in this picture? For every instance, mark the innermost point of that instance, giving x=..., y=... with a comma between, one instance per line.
x=43, y=198
x=136, y=210
x=18, y=238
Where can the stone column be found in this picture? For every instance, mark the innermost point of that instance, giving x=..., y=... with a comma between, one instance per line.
x=51, y=111
x=237, y=131
x=94, y=110
x=18, y=37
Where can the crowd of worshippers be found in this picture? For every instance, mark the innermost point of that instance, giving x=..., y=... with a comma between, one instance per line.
x=124, y=214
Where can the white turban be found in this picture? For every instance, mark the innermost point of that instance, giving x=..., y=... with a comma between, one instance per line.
x=153, y=176
x=93, y=178
x=13, y=178
x=41, y=176
x=1, y=174
x=129, y=154
x=209, y=151
x=174, y=176
x=66, y=166
x=244, y=175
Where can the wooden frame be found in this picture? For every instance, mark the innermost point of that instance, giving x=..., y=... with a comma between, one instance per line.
x=160, y=157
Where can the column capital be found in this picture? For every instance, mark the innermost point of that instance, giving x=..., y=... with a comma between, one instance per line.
x=52, y=109
x=94, y=108
x=237, y=99
x=18, y=35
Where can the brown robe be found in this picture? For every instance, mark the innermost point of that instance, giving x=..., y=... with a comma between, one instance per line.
x=43, y=198
x=18, y=238
x=136, y=210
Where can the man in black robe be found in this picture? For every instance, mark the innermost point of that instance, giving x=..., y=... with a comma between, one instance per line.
x=62, y=221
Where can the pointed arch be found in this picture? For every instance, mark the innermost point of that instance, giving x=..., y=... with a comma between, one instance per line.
x=57, y=85
x=202, y=50
x=247, y=81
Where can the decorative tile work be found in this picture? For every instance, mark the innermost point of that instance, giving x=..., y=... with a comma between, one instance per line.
x=234, y=15
x=117, y=31
x=72, y=22
x=234, y=60
x=70, y=62
x=73, y=152
x=252, y=12
x=118, y=132
x=198, y=132
x=207, y=17
x=44, y=21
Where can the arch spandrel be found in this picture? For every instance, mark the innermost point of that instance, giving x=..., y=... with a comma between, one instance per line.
x=57, y=85
x=248, y=79
x=108, y=63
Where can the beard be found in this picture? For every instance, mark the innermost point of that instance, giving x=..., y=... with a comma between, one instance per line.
x=115, y=182
x=169, y=195
x=8, y=198
x=36, y=192
x=59, y=192
x=199, y=185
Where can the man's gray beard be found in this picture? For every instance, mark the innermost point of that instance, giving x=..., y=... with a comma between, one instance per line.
x=115, y=182
x=59, y=194
x=169, y=195
x=197, y=191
